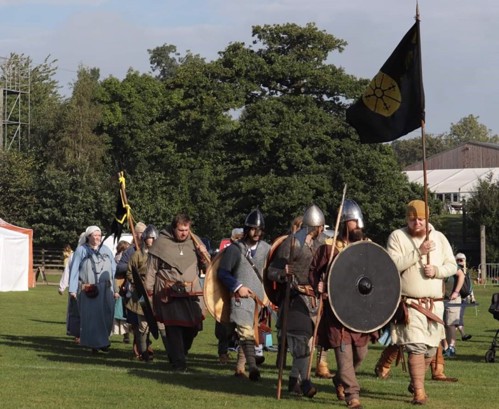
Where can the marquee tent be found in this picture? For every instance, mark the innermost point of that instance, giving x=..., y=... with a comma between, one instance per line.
x=453, y=184
x=16, y=258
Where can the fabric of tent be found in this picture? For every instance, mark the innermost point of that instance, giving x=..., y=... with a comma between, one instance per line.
x=16, y=258
x=461, y=182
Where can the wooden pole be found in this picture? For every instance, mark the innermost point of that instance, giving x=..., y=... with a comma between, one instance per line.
x=321, y=302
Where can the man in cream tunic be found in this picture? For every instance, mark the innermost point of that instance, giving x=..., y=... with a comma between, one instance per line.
x=423, y=264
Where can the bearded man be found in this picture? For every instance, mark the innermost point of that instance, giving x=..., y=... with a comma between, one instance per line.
x=350, y=347
x=423, y=262
x=241, y=272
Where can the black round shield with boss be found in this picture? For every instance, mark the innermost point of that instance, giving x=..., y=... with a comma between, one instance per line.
x=363, y=287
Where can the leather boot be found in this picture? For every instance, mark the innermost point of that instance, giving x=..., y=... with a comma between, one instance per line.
x=419, y=397
x=241, y=362
x=354, y=404
x=340, y=389
x=383, y=366
x=144, y=353
x=249, y=352
x=417, y=372
x=294, y=386
x=308, y=388
x=322, y=370
x=437, y=367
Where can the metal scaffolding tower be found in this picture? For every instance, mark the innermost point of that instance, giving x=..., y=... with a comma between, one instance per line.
x=15, y=83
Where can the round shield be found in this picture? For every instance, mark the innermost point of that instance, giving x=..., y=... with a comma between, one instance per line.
x=363, y=287
x=272, y=288
x=215, y=294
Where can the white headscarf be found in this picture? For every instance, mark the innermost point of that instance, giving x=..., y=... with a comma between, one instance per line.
x=90, y=230
x=81, y=239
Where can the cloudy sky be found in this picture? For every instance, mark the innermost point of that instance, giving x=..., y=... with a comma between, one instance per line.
x=460, y=43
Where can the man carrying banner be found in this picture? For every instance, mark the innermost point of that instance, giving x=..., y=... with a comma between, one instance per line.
x=138, y=263
x=293, y=258
x=350, y=347
x=423, y=259
x=172, y=279
x=241, y=271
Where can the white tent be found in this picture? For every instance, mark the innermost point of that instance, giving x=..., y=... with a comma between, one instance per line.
x=453, y=185
x=16, y=261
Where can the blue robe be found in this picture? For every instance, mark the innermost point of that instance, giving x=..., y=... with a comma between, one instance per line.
x=96, y=314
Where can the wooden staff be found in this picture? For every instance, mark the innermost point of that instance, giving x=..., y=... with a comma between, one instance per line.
x=137, y=280
x=321, y=302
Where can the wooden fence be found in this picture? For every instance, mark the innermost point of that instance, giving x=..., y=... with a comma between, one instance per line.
x=49, y=261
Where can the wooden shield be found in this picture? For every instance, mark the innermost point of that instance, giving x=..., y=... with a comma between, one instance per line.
x=215, y=294
x=272, y=288
x=363, y=287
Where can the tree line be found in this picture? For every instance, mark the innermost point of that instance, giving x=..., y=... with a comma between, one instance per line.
x=263, y=125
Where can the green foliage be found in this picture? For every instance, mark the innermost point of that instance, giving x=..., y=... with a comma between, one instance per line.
x=292, y=146
x=17, y=181
x=67, y=204
x=75, y=147
x=409, y=151
x=166, y=60
x=483, y=209
x=467, y=129
x=262, y=125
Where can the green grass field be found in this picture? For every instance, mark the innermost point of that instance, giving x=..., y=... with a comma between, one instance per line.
x=42, y=368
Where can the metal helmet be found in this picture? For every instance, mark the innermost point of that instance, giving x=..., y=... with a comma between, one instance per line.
x=150, y=232
x=313, y=217
x=255, y=219
x=351, y=211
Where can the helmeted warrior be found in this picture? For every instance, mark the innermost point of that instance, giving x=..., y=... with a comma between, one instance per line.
x=241, y=271
x=138, y=263
x=350, y=347
x=292, y=258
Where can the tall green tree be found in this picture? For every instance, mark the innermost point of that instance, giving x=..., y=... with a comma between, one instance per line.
x=409, y=151
x=292, y=146
x=483, y=209
x=17, y=184
x=165, y=60
x=31, y=102
x=469, y=129
x=74, y=188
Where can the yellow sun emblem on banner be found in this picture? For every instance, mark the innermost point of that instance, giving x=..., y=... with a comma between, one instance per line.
x=383, y=95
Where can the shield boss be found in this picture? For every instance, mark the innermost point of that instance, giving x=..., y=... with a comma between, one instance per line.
x=363, y=287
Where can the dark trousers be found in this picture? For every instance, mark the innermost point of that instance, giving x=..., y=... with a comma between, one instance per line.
x=225, y=334
x=179, y=341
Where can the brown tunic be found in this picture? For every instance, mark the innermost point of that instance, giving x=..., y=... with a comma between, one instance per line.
x=173, y=278
x=331, y=333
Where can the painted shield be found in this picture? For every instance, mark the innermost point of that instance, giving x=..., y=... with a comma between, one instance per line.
x=215, y=294
x=363, y=287
x=273, y=288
